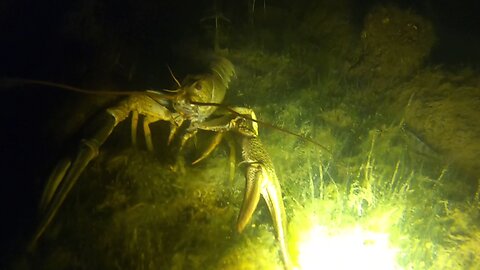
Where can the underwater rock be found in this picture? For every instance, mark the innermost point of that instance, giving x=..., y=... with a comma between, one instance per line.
x=443, y=111
x=395, y=43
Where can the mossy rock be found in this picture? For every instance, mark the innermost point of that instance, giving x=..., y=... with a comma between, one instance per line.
x=395, y=43
x=442, y=109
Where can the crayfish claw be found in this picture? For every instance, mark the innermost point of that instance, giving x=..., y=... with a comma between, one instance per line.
x=66, y=174
x=261, y=179
x=53, y=182
x=254, y=180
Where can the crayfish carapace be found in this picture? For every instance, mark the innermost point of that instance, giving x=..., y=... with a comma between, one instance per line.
x=194, y=106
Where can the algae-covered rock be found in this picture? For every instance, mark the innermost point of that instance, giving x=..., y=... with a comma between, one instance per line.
x=395, y=43
x=442, y=109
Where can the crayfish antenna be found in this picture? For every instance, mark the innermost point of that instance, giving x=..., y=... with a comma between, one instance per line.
x=174, y=78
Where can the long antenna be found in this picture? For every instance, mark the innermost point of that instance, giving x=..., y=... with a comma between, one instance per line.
x=67, y=87
x=173, y=76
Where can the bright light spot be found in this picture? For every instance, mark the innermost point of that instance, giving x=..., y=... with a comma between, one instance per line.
x=351, y=249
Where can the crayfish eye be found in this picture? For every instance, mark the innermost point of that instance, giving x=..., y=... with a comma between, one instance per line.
x=198, y=86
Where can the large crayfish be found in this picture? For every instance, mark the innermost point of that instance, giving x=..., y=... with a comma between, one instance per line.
x=191, y=105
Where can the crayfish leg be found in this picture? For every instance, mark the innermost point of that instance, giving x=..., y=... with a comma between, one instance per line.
x=215, y=142
x=232, y=154
x=133, y=128
x=232, y=157
x=147, y=132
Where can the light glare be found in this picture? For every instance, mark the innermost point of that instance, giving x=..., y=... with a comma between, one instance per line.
x=350, y=249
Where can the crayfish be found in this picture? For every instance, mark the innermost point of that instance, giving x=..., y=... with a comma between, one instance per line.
x=195, y=105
